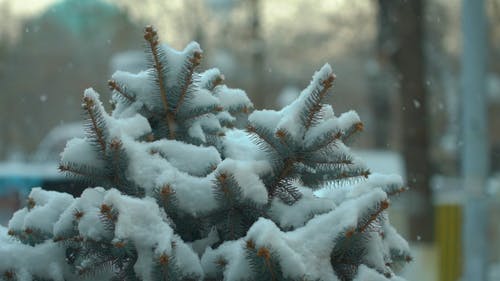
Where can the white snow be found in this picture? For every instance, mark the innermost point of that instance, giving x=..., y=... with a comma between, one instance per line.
x=247, y=175
x=176, y=60
x=195, y=131
x=46, y=211
x=233, y=253
x=266, y=118
x=135, y=84
x=194, y=194
x=208, y=75
x=46, y=260
x=237, y=145
x=300, y=212
x=89, y=225
x=200, y=245
x=139, y=221
x=133, y=127
x=332, y=124
x=232, y=99
x=365, y=273
x=206, y=122
x=202, y=98
x=181, y=155
x=79, y=150
x=394, y=240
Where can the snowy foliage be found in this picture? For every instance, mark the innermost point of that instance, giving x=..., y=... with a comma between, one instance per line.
x=194, y=184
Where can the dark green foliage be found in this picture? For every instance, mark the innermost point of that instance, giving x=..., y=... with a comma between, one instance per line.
x=190, y=228
x=348, y=255
x=264, y=262
x=235, y=214
x=31, y=236
x=165, y=197
x=165, y=269
x=83, y=174
x=89, y=257
x=117, y=168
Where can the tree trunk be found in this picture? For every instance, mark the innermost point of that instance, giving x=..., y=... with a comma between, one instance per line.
x=381, y=75
x=410, y=62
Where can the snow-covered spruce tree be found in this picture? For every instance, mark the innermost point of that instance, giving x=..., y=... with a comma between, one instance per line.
x=193, y=185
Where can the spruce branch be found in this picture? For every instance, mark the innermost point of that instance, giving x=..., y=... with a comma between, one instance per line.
x=286, y=139
x=380, y=208
x=114, y=86
x=194, y=61
x=265, y=142
x=355, y=128
x=331, y=137
x=264, y=262
x=95, y=121
x=199, y=112
x=314, y=101
x=108, y=216
x=150, y=35
x=264, y=253
x=85, y=172
x=30, y=235
x=283, y=184
x=396, y=191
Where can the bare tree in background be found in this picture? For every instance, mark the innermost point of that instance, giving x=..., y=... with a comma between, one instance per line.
x=258, y=53
x=381, y=75
x=409, y=61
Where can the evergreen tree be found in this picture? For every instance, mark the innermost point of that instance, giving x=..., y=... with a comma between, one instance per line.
x=194, y=184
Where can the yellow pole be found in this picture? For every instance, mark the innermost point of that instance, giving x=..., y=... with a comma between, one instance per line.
x=448, y=226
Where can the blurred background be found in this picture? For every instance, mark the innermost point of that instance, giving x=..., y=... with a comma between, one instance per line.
x=424, y=76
